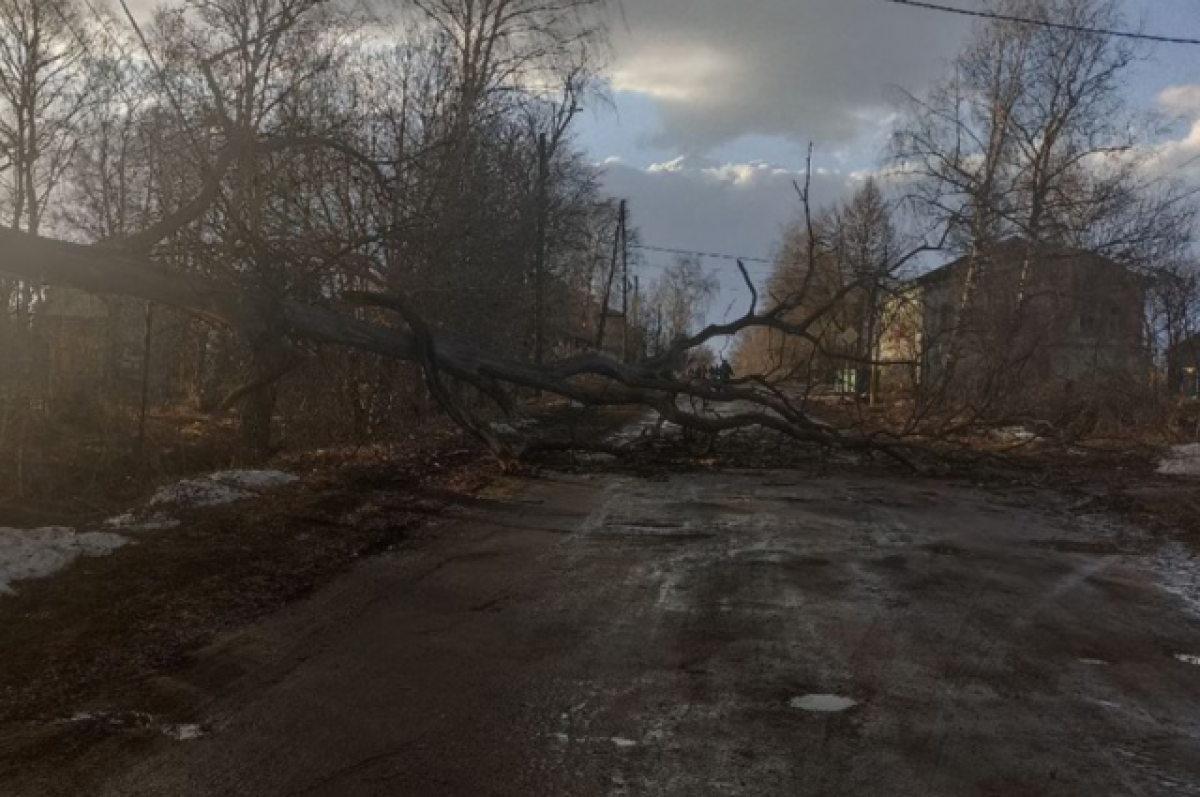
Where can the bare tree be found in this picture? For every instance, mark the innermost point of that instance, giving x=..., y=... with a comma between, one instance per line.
x=848, y=252
x=44, y=90
x=676, y=303
x=285, y=193
x=1031, y=136
x=1030, y=140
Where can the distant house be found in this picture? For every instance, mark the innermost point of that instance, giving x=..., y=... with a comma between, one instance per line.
x=1183, y=368
x=87, y=341
x=73, y=328
x=1041, y=317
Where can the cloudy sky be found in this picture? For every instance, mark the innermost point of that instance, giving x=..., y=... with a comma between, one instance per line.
x=717, y=100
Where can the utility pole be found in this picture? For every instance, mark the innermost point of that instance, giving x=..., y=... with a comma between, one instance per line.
x=539, y=252
x=625, y=281
x=147, y=345
x=637, y=311
x=612, y=274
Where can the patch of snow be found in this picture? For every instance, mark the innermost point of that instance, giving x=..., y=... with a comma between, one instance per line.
x=254, y=479
x=133, y=522
x=1175, y=566
x=1017, y=434
x=135, y=720
x=37, y=553
x=620, y=742
x=199, y=493
x=1181, y=461
x=1188, y=659
x=217, y=489
x=183, y=733
x=79, y=716
x=124, y=719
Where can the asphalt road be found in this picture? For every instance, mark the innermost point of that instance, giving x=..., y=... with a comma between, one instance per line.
x=612, y=636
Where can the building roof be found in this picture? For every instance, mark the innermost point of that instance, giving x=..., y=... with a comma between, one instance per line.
x=1016, y=247
x=1187, y=347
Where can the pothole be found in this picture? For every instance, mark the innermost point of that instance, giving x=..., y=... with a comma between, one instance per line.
x=822, y=704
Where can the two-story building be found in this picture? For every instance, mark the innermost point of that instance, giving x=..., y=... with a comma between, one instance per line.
x=1022, y=317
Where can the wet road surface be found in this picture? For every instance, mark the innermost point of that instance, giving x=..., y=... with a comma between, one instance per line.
x=714, y=634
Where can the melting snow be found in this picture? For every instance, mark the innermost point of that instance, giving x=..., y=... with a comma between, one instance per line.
x=1181, y=461
x=217, y=489
x=1017, y=434
x=131, y=521
x=254, y=479
x=198, y=492
x=136, y=720
x=38, y=553
x=183, y=733
x=1175, y=565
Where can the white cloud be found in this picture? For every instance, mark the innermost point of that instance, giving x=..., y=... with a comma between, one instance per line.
x=676, y=165
x=679, y=73
x=720, y=70
x=735, y=175
x=1179, y=157
x=1182, y=100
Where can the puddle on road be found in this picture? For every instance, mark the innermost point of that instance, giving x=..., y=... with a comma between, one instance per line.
x=1188, y=659
x=822, y=704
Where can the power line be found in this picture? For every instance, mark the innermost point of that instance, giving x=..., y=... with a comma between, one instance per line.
x=1120, y=34
x=709, y=255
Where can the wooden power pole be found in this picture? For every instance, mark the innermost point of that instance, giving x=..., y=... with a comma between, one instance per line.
x=539, y=252
x=625, y=281
x=618, y=245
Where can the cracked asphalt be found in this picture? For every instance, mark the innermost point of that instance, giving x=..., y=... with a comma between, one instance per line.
x=606, y=635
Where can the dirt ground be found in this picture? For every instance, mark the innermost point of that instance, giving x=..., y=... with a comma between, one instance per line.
x=105, y=624
x=609, y=634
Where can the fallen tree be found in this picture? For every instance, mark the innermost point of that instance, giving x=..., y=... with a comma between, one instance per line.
x=593, y=379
